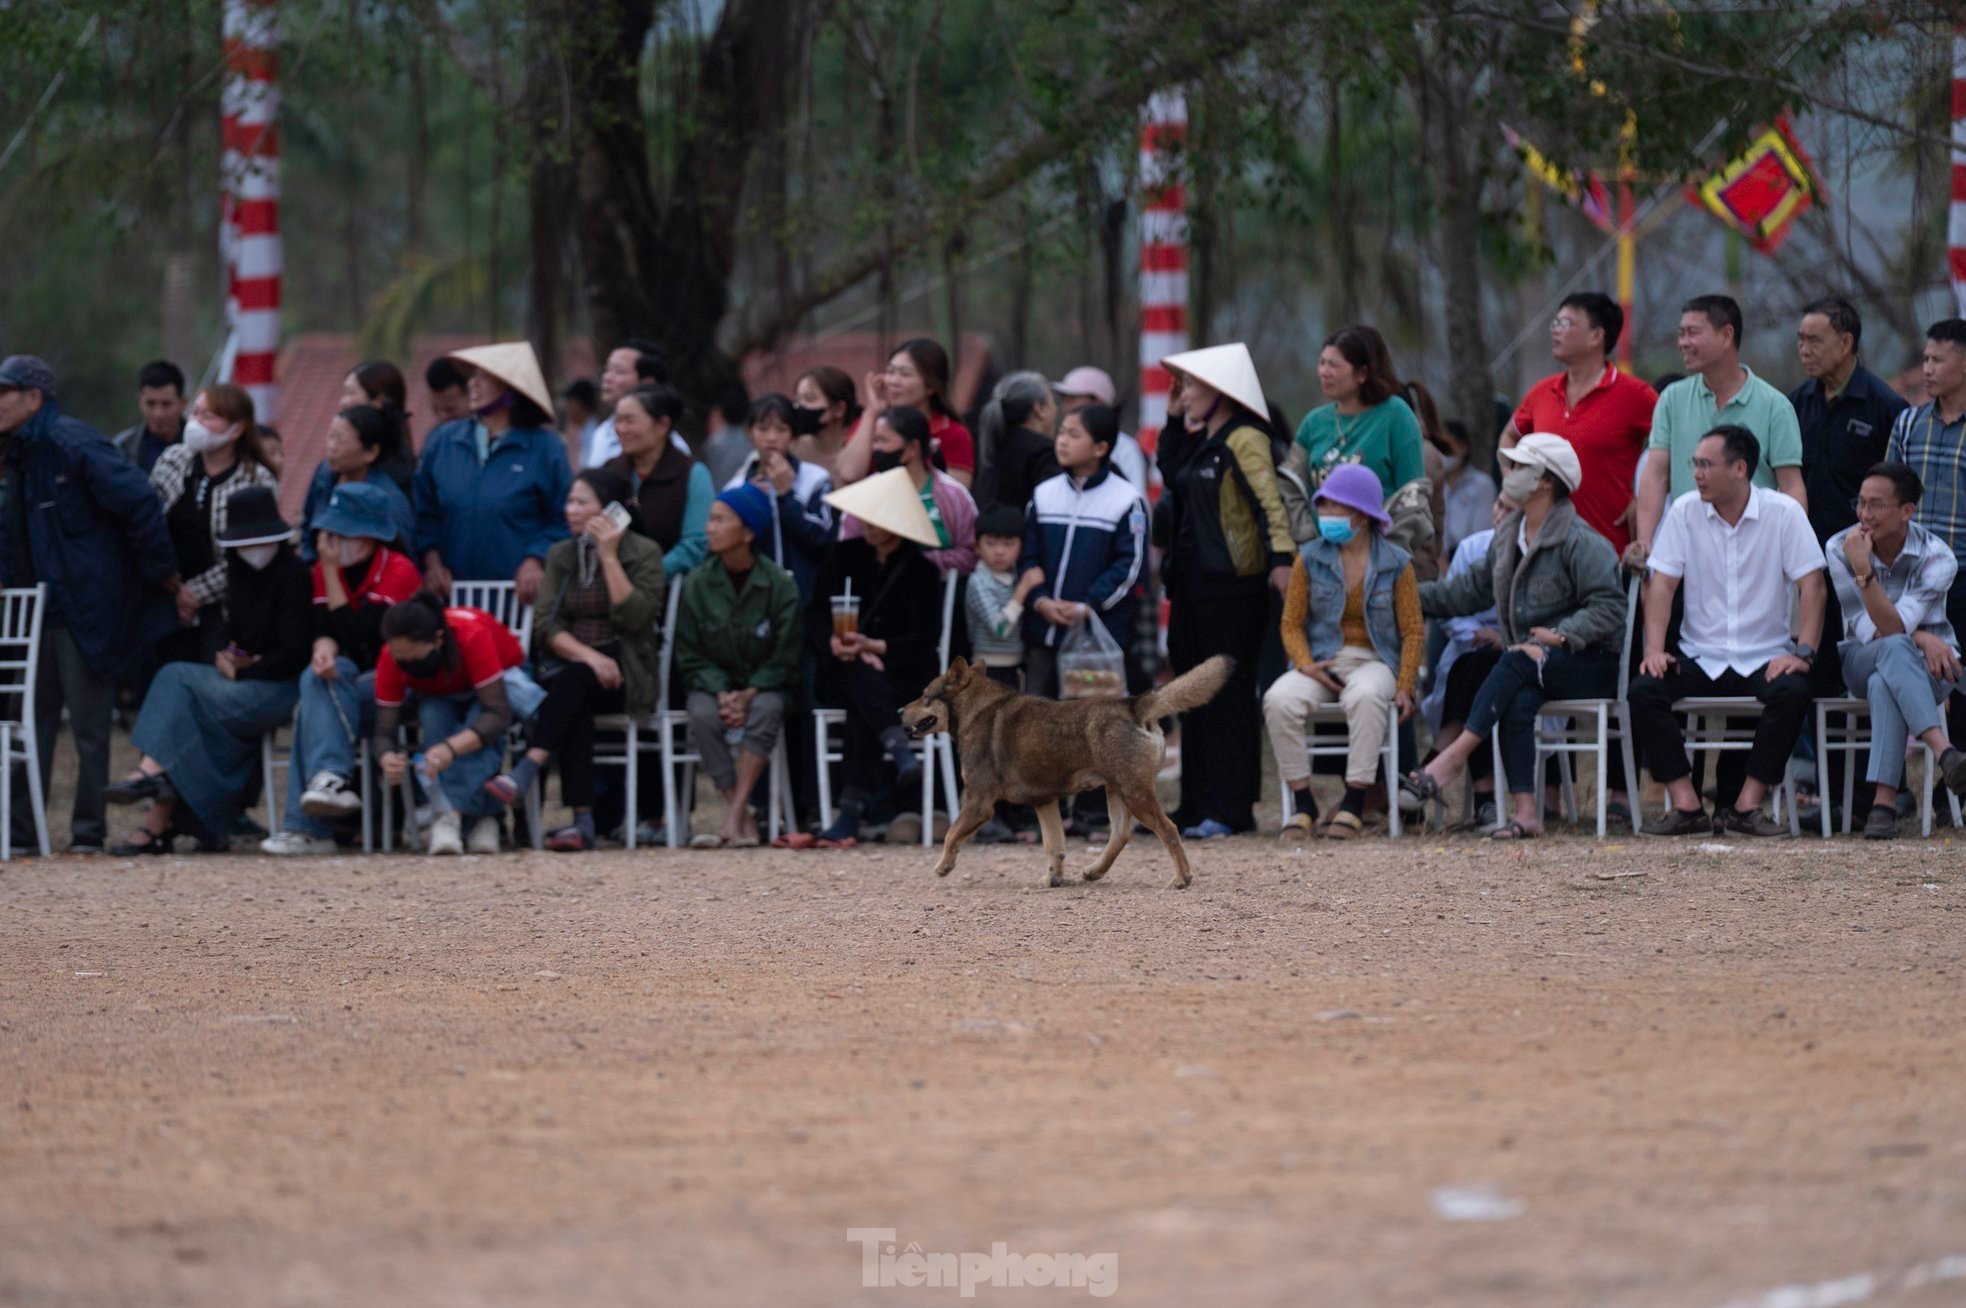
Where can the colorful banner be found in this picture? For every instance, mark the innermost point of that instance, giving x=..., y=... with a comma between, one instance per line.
x=1762, y=191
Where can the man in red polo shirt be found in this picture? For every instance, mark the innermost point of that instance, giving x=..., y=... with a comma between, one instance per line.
x=1604, y=414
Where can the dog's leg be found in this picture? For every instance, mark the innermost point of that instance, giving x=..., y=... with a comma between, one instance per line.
x=1122, y=832
x=1146, y=805
x=974, y=813
x=1053, y=827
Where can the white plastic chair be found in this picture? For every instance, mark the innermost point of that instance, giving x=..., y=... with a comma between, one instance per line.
x=21, y=613
x=501, y=600
x=937, y=749
x=1339, y=747
x=1854, y=739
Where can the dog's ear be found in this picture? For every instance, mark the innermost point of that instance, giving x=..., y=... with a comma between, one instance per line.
x=958, y=672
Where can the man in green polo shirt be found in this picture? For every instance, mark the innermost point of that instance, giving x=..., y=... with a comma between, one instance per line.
x=1718, y=388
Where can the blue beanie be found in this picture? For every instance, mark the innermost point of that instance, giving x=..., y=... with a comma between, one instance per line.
x=751, y=505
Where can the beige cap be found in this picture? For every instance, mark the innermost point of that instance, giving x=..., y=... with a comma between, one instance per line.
x=1546, y=453
x=888, y=500
x=513, y=363
x=1226, y=368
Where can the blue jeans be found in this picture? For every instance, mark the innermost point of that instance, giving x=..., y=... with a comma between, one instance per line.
x=463, y=782
x=205, y=730
x=1904, y=700
x=328, y=711
x=1514, y=694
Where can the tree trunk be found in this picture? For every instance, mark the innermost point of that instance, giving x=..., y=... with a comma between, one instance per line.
x=1452, y=139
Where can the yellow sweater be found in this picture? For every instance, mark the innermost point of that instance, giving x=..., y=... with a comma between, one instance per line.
x=1406, y=611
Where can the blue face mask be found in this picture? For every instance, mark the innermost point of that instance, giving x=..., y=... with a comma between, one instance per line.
x=1336, y=530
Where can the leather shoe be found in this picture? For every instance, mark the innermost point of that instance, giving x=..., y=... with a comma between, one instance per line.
x=1733, y=822
x=1679, y=822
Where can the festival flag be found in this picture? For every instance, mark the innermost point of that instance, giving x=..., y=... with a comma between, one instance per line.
x=1762, y=191
x=1585, y=190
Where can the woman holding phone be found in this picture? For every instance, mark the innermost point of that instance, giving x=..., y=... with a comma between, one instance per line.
x=594, y=635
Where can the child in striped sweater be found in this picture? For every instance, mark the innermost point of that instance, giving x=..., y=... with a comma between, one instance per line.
x=995, y=599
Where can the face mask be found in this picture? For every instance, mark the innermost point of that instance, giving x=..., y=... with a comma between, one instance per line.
x=1336, y=530
x=1452, y=463
x=200, y=438
x=503, y=401
x=1520, y=484
x=806, y=422
x=427, y=666
x=349, y=553
x=886, y=460
x=1199, y=421
x=257, y=556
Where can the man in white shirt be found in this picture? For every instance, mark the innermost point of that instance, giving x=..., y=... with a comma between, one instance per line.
x=1737, y=548
x=635, y=362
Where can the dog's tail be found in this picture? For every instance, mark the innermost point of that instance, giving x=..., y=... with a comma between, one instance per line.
x=1190, y=690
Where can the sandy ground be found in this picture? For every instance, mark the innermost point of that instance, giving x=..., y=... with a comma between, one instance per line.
x=1670, y=1076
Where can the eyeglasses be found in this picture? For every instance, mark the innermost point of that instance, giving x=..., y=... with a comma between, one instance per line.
x=1563, y=324
x=1871, y=506
x=1698, y=464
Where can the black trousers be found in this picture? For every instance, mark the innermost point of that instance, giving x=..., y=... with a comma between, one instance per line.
x=1221, y=742
x=1463, y=682
x=1785, y=705
x=564, y=727
x=872, y=707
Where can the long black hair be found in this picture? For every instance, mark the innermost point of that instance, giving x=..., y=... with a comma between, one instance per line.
x=420, y=618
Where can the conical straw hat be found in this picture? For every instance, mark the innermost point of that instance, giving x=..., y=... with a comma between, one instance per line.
x=1227, y=368
x=513, y=363
x=888, y=500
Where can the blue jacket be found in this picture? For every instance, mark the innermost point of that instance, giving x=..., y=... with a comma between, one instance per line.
x=486, y=519
x=322, y=487
x=1090, y=538
x=1325, y=570
x=84, y=520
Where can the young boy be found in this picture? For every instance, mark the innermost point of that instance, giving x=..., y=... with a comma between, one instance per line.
x=1086, y=531
x=996, y=595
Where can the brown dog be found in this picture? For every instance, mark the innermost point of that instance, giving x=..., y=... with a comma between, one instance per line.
x=1033, y=751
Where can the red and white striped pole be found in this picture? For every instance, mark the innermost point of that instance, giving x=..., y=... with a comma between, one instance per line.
x=1163, y=258
x=249, y=223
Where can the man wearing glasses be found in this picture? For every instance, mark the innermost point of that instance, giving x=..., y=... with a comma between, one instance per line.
x=1718, y=389
x=1898, y=650
x=1736, y=548
x=1604, y=414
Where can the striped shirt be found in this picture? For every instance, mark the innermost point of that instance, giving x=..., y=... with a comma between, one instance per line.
x=1936, y=451
x=1916, y=583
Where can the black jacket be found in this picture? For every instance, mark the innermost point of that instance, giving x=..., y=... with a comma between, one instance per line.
x=270, y=612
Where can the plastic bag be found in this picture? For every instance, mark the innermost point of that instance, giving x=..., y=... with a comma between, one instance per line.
x=1091, y=664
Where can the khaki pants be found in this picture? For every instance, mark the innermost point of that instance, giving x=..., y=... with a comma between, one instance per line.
x=1369, y=688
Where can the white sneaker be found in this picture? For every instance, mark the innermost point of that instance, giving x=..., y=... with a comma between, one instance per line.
x=295, y=844
x=447, y=834
x=329, y=796
x=484, y=836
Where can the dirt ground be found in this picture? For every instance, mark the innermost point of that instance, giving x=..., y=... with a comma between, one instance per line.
x=1667, y=1076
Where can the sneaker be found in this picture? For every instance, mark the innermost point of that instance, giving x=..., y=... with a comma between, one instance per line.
x=1733, y=822
x=484, y=836
x=293, y=844
x=1679, y=822
x=1207, y=829
x=328, y=796
x=1300, y=828
x=447, y=834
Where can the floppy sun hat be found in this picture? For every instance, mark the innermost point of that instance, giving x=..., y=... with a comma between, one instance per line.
x=1355, y=486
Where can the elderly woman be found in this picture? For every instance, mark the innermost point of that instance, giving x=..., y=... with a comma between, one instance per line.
x=1228, y=540
x=202, y=723
x=1014, y=441
x=595, y=628
x=463, y=665
x=1354, y=636
x=737, y=657
x=802, y=525
x=672, y=491
x=1553, y=583
x=902, y=441
x=882, y=664
x=219, y=457
x=489, y=488
x=360, y=573
x=359, y=442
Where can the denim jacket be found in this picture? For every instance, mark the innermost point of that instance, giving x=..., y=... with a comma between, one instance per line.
x=1325, y=570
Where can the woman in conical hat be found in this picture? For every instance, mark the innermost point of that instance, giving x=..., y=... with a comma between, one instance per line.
x=1230, y=548
x=491, y=487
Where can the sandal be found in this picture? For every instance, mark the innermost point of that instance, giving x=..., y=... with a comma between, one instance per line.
x=152, y=844
x=569, y=840
x=136, y=788
x=1343, y=825
x=707, y=840
x=796, y=840
x=1513, y=830
x=502, y=789
x=1420, y=788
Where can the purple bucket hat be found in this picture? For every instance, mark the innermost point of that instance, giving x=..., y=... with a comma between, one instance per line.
x=1355, y=486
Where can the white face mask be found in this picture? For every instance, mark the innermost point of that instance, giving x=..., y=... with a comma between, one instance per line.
x=199, y=438
x=1521, y=483
x=349, y=552
x=257, y=556
x=1451, y=463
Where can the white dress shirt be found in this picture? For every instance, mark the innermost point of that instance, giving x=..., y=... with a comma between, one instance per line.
x=1736, y=579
